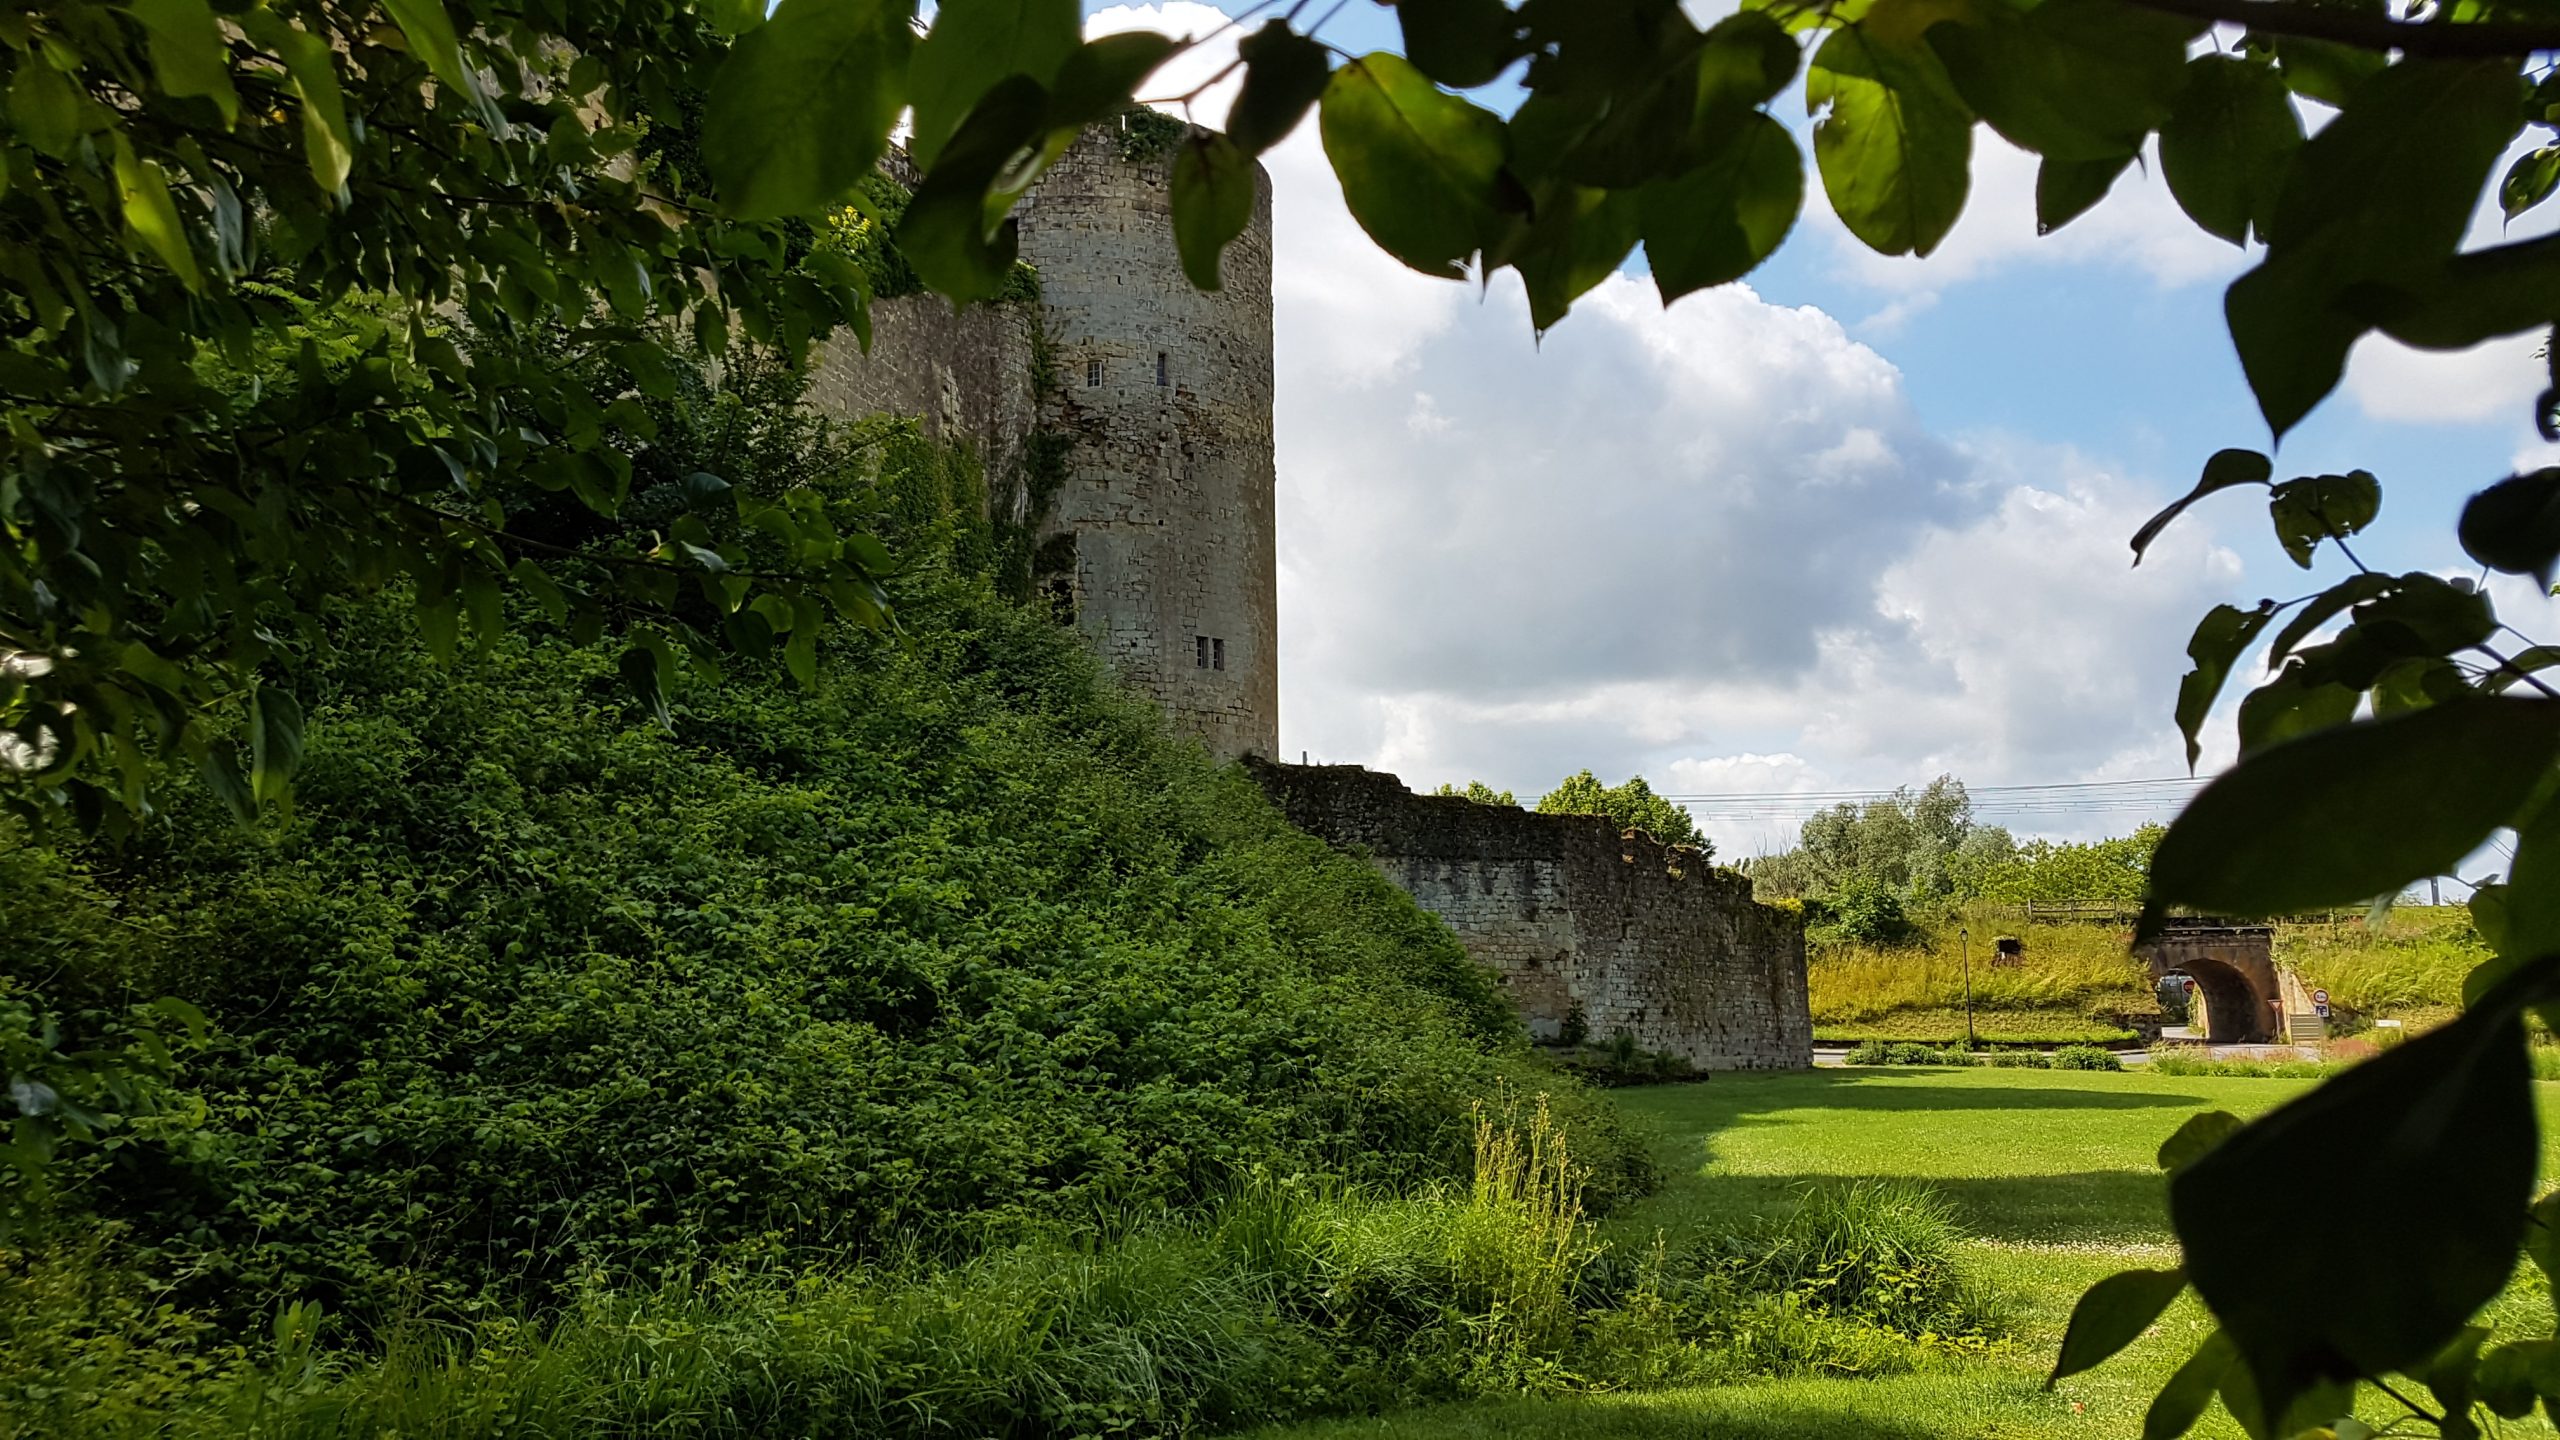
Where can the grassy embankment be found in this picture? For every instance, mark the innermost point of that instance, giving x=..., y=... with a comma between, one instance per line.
x=2076, y=979
x=2051, y=1172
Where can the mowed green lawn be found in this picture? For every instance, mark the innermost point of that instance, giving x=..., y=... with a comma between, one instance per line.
x=2052, y=1170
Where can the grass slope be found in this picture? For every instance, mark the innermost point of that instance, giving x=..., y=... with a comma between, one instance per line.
x=2053, y=1173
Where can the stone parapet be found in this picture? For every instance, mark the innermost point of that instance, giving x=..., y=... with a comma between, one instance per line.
x=1579, y=917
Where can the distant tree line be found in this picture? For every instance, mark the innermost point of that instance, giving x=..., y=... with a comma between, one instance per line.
x=1925, y=847
x=1632, y=805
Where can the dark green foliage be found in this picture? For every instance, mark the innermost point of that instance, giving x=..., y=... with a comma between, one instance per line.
x=1909, y=843
x=1146, y=134
x=527, y=990
x=2084, y=1057
x=1287, y=1299
x=1882, y=1251
x=941, y=941
x=1905, y=1052
x=1862, y=911
x=1630, y=805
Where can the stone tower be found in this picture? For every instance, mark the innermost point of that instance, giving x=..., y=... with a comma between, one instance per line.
x=1168, y=499
x=1159, y=538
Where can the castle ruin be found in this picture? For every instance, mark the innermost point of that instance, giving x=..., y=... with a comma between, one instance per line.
x=1156, y=538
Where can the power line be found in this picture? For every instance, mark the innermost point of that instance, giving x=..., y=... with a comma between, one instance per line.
x=1970, y=790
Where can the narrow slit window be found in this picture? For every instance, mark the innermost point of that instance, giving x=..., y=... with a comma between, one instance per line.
x=1217, y=654
x=1093, y=372
x=1200, y=651
x=1164, y=368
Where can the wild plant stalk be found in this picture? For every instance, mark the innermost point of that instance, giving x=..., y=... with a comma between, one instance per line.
x=1521, y=1241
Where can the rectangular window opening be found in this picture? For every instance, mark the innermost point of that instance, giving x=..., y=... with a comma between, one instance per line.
x=1164, y=368
x=1093, y=372
x=1217, y=654
x=1200, y=651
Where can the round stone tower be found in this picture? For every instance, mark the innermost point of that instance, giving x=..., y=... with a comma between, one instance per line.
x=1167, y=500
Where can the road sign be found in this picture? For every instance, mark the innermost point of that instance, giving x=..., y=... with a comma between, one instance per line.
x=2320, y=1002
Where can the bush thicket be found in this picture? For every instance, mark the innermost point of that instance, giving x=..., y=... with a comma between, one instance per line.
x=528, y=995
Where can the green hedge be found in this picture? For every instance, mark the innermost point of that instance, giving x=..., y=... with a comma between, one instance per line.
x=527, y=994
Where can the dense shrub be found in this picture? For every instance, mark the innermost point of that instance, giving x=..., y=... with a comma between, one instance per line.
x=528, y=994
x=1861, y=912
x=2084, y=1057
x=1291, y=1297
x=2013, y=1059
x=1903, y=1052
x=1880, y=1251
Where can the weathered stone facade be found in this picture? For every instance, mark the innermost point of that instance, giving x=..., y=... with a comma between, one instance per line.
x=1162, y=532
x=1579, y=917
x=1159, y=541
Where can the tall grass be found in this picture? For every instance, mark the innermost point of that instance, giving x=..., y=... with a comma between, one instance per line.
x=1294, y=1297
x=2412, y=963
x=2066, y=967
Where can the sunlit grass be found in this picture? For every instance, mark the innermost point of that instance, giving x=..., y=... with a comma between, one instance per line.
x=2066, y=969
x=2051, y=1171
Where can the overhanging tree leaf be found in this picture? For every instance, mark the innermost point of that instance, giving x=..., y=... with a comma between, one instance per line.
x=1460, y=43
x=2189, y=1393
x=2322, y=507
x=1213, y=195
x=2324, y=607
x=188, y=52
x=2226, y=469
x=2529, y=181
x=311, y=69
x=2514, y=526
x=2340, y=816
x=2301, y=699
x=1894, y=142
x=800, y=110
x=1718, y=221
x=151, y=213
x=2065, y=189
x=1744, y=61
x=2378, y=198
x=431, y=38
x=2431, y=1149
x=2067, y=79
x=2198, y=1134
x=275, y=743
x=1421, y=169
x=1580, y=238
x=1097, y=80
x=2226, y=143
x=2224, y=632
x=2530, y=924
x=2113, y=1314
x=1284, y=74
x=643, y=672
x=954, y=233
x=972, y=45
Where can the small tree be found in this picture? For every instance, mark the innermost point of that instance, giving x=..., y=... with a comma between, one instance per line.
x=1633, y=805
x=1479, y=792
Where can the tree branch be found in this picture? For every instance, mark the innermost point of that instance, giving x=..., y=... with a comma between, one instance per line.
x=2430, y=38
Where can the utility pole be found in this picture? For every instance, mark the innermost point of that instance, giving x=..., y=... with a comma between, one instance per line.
x=1964, y=944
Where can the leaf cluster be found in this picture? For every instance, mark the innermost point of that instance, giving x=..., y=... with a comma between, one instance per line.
x=286, y=297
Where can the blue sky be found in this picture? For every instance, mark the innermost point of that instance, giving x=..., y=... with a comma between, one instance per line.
x=1848, y=525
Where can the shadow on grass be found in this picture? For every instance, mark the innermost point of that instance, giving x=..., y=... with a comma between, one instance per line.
x=1872, y=1088
x=1916, y=1407
x=2108, y=1207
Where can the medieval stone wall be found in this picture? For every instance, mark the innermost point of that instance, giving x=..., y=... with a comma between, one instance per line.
x=1168, y=392
x=1163, y=528
x=1574, y=915
x=966, y=374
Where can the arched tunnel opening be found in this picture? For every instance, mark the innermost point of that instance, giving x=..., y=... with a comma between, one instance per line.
x=2223, y=1009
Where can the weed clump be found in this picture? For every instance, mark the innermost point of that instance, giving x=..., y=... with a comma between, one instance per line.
x=2085, y=1057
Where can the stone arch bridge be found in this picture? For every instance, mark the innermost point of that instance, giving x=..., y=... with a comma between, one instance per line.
x=2234, y=966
